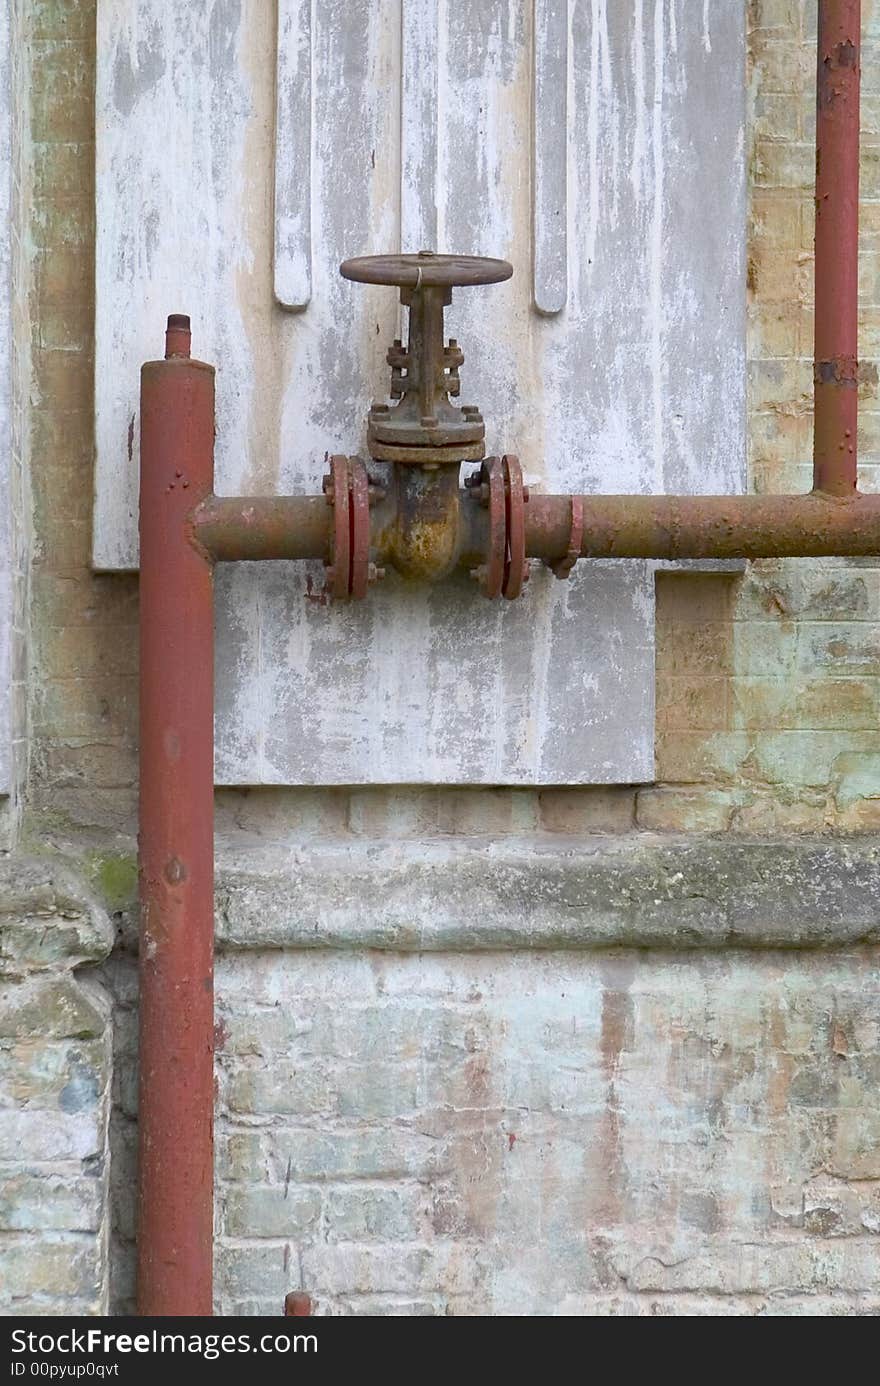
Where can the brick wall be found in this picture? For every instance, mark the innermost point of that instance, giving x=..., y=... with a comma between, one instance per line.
x=768, y=693
x=55, y=1073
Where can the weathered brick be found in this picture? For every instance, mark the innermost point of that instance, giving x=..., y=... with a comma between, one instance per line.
x=51, y=1008
x=67, y=1076
x=584, y=810
x=725, y=1268
x=51, y=1266
x=278, y=1211
x=670, y=808
x=254, y=1270
x=387, y=1307
x=290, y=1090
x=370, y=1152
x=837, y=1208
x=855, y=1152
x=49, y=1136
x=395, y=1269
x=363, y=1214
x=50, y=1203
x=243, y=1155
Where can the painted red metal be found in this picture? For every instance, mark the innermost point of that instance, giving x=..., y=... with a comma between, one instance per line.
x=561, y=567
x=359, y=503
x=297, y=1305
x=490, y=573
x=337, y=491
x=516, y=565
x=837, y=246
x=242, y=528
x=557, y=528
x=813, y=525
x=176, y=838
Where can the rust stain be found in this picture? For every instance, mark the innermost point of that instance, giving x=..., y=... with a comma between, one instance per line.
x=616, y=1036
x=840, y=1042
x=320, y=596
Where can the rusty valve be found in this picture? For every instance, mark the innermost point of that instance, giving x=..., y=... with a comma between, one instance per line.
x=424, y=428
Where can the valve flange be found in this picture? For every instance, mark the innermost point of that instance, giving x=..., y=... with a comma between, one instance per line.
x=498, y=485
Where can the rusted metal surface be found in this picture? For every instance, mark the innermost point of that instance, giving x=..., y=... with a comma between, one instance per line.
x=178, y=336
x=426, y=269
x=359, y=502
x=487, y=486
x=297, y=1305
x=246, y=528
x=662, y=527
x=347, y=490
x=837, y=230
x=175, y=1220
x=516, y=565
x=336, y=489
x=425, y=427
x=429, y=456
x=808, y=526
x=498, y=486
x=419, y=531
x=562, y=567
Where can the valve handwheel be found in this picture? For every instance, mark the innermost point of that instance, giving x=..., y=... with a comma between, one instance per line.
x=425, y=428
x=426, y=270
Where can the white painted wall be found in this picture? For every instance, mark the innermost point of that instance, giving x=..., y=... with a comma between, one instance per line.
x=597, y=146
x=5, y=397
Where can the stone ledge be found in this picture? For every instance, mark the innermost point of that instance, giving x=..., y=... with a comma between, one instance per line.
x=641, y=892
x=48, y=918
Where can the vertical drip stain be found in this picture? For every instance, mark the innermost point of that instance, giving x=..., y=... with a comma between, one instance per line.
x=656, y=245
x=638, y=58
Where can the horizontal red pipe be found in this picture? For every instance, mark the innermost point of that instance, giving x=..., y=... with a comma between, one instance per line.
x=232, y=528
x=807, y=526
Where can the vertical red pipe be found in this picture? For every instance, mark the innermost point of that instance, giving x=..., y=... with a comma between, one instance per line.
x=835, y=458
x=297, y=1305
x=175, y=1223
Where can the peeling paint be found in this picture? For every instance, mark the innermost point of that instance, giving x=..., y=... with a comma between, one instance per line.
x=588, y=394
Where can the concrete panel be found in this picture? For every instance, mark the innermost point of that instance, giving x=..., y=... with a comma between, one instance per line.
x=613, y=361
x=434, y=686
